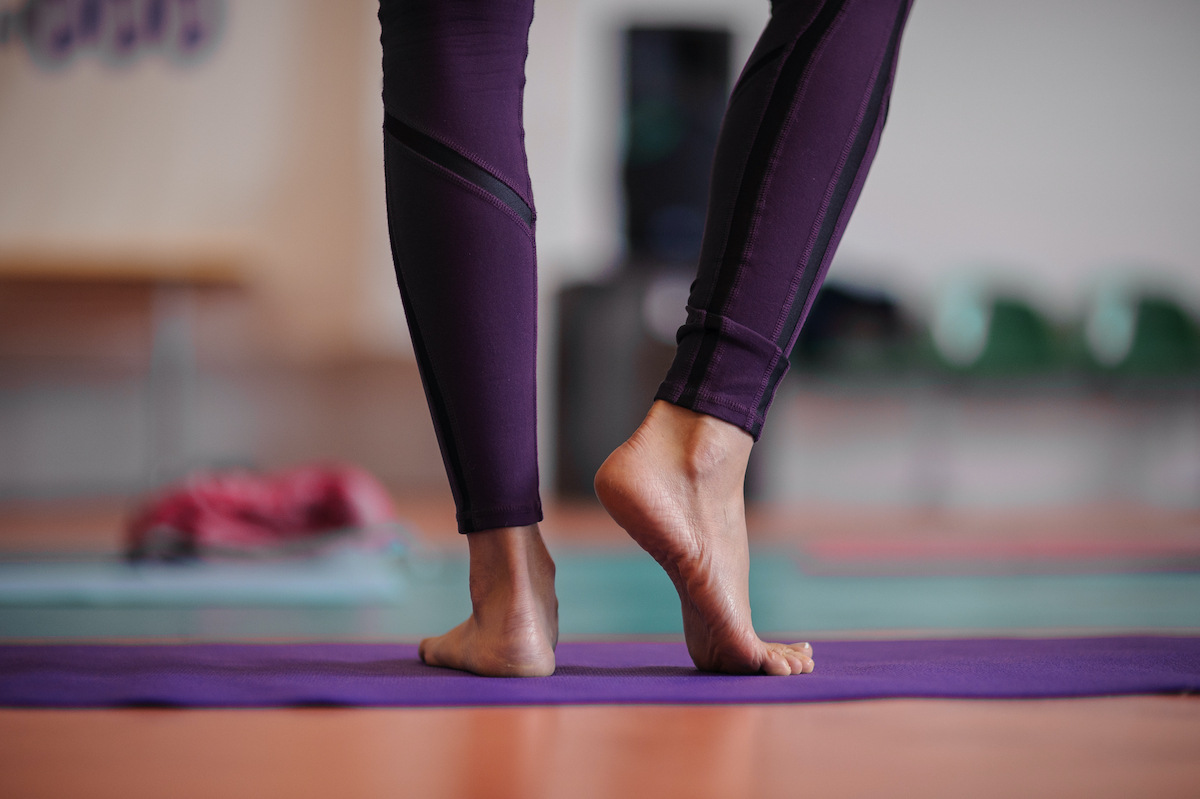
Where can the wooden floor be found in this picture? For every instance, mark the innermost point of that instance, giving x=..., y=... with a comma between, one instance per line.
x=1121, y=747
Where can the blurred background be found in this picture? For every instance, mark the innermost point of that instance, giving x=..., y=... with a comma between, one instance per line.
x=195, y=269
x=991, y=426
x=194, y=265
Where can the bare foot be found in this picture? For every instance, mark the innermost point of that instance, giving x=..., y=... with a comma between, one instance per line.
x=513, y=627
x=676, y=486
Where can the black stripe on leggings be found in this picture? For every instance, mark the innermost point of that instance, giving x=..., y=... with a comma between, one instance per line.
x=754, y=69
x=437, y=404
x=460, y=165
x=841, y=191
x=757, y=163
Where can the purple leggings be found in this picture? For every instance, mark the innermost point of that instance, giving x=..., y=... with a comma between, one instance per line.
x=799, y=134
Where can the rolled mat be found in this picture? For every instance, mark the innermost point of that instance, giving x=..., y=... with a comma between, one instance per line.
x=390, y=675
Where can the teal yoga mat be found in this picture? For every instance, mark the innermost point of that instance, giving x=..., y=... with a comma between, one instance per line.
x=346, y=577
x=615, y=594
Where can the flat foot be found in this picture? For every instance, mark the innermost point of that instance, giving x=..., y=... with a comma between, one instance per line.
x=468, y=648
x=513, y=628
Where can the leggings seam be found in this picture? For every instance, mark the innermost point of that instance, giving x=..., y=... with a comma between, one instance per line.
x=470, y=155
x=751, y=71
x=773, y=160
x=874, y=95
x=769, y=174
x=479, y=520
x=717, y=399
x=442, y=407
x=815, y=232
x=851, y=143
x=500, y=509
x=714, y=290
x=483, y=194
x=729, y=269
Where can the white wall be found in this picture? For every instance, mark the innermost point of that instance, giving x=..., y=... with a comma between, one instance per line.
x=573, y=109
x=267, y=154
x=1055, y=137
x=153, y=153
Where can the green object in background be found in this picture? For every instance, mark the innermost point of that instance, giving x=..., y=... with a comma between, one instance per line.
x=1140, y=334
x=1019, y=340
x=1165, y=340
x=976, y=332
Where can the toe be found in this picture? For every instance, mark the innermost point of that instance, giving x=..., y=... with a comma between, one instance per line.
x=776, y=663
x=783, y=660
x=804, y=655
x=798, y=657
x=795, y=659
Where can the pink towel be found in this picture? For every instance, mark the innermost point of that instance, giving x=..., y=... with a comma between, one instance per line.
x=241, y=512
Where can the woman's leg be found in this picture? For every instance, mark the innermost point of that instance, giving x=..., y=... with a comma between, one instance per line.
x=800, y=132
x=460, y=214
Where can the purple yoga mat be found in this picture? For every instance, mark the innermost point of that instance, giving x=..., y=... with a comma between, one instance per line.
x=389, y=675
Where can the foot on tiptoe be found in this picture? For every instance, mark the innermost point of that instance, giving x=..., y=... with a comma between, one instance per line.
x=676, y=486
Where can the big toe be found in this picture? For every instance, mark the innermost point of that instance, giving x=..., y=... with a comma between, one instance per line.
x=428, y=650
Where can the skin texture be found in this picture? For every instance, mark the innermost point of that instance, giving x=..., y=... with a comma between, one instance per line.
x=513, y=627
x=676, y=486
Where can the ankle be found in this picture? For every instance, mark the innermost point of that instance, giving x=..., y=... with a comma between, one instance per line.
x=510, y=561
x=705, y=447
x=504, y=547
